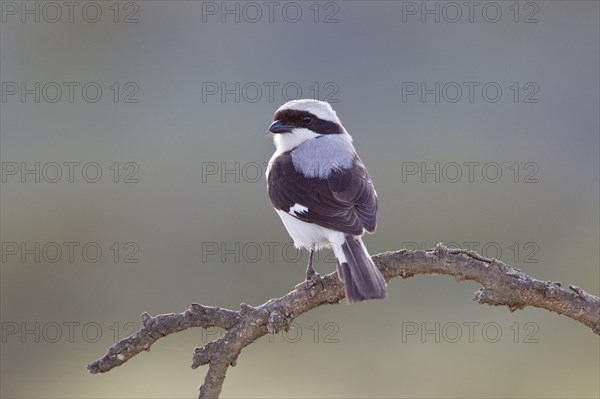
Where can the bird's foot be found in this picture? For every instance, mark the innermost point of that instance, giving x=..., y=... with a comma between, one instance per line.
x=312, y=279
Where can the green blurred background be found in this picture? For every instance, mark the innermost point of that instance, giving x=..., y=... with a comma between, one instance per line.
x=202, y=234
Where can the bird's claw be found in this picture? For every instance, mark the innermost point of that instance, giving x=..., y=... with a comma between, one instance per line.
x=313, y=279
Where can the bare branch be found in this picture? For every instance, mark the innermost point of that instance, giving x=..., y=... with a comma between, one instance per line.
x=161, y=326
x=501, y=285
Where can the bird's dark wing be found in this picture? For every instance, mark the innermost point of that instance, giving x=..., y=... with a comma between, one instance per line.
x=354, y=187
x=346, y=201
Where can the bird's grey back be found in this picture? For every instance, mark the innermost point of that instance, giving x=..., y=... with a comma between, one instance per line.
x=322, y=156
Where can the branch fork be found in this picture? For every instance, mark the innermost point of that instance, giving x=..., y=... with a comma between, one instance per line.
x=502, y=285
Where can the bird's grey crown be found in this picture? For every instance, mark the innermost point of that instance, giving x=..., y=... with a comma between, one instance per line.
x=320, y=109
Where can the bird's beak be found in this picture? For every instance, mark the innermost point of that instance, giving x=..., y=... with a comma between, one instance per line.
x=280, y=127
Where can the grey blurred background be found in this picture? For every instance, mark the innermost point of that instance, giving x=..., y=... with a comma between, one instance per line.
x=181, y=215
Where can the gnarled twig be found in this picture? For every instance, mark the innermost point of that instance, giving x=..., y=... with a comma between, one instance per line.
x=501, y=285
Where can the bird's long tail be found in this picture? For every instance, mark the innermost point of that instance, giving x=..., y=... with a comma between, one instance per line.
x=362, y=279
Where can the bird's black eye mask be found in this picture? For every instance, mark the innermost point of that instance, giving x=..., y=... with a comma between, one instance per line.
x=307, y=120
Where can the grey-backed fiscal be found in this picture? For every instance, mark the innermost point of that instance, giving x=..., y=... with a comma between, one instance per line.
x=322, y=192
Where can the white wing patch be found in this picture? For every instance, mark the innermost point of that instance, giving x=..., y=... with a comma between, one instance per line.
x=297, y=209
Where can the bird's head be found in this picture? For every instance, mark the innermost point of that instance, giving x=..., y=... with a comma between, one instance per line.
x=298, y=121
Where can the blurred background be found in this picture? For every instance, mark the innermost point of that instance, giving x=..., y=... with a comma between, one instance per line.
x=133, y=146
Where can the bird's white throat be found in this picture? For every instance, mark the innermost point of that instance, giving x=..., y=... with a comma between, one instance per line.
x=288, y=141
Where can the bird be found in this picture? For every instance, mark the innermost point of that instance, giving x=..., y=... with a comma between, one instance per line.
x=323, y=194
